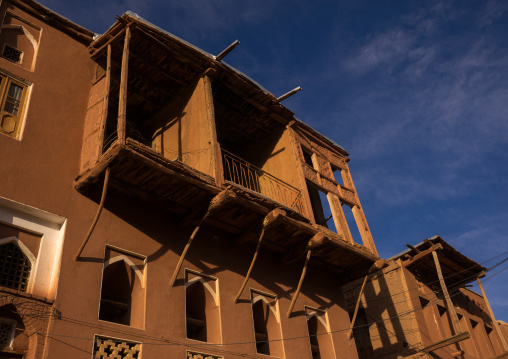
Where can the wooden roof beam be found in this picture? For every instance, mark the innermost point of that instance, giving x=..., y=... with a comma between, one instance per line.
x=421, y=255
x=226, y=51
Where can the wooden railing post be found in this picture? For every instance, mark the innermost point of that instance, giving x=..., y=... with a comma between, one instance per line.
x=122, y=102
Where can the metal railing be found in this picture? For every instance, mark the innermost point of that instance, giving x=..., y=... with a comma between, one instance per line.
x=247, y=175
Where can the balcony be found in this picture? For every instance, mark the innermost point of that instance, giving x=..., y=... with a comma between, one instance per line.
x=245, y=174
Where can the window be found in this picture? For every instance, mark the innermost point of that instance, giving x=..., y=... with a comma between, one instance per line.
x=267, y=330
x=10, y=53
x=123, y=289
x=115, y=348
x=14, y=95
x=321, y=343
x=202, y=307
x=196, y=355
x=15, y=267
x=307, y=156
x=7, y=328
x=361, y=333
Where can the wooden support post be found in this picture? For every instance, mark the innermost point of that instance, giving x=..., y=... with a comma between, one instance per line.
x=445, y=342
x=97, y=215
x=218, y=201
x=269, y=220
x=295, y=296
x=491, y=313
x=102, y=128
x=122, y=103
x=449, y=303
x=380, y=264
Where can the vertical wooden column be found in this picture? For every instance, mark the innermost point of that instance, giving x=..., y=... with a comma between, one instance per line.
x=122, y=103
x=491, y=313
x=102, y=128
x=449, y=303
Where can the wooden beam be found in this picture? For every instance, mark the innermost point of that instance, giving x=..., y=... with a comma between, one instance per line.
x=226, y=51
x=300, y=283
x=122, y=103
x=449, y=302
x=288, y=94
x=413, y=248
x=102, y=127
x=422, y=254
x=268, y=221
x=97, y=215
x=218, y=201
x=445, y=342
x=491, y=313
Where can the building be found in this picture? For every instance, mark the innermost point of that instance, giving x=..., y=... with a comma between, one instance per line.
x=419, y=306
x=155, y=202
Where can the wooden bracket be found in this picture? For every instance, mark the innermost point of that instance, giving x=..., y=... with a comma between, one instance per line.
x=218, y=201
x=269, y=220
x=422, y=254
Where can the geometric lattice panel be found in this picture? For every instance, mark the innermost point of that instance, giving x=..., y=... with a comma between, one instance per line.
x=196, y=355
x=109, y=348
x=14, y=267
x=7, y=328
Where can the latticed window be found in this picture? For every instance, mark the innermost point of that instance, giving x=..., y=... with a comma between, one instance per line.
x=14, y=267
x=196, y=355
x=7, y=328
x=10, y=53
x=111, y=348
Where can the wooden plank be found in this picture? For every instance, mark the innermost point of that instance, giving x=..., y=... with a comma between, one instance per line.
x=445, y=342
x=422, y=254
x=300, y=283
x=122, y=102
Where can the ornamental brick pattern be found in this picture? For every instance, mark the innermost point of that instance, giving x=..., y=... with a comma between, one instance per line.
x=106, y=348
x=195, y=355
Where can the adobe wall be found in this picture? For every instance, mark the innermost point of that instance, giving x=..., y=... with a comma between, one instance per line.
x=402, y=308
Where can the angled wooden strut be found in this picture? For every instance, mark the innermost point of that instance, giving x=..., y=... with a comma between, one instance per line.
x=489, y=308
x=270, y=219
x=317, y=240
x=449, y=302
x=218, y=201
x=97, y=215
x=380, y=264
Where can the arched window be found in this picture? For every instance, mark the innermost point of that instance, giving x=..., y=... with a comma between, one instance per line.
x=14, y=340
x=267, y=331
x=123, y=292
x=202, y=308
x=319, y=334
x=15, y=264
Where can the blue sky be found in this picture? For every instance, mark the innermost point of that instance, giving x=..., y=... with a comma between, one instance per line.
x=416, y=91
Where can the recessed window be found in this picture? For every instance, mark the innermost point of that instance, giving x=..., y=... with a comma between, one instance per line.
x=123, y=289
x=115, y=348
x=15, y=267
x=337, y=175
x=13, y=101
x=7, y=328
x=202, y=307
x=320, y=205
x=267, y=330
x=321, y=343
x=307, y=156
x=351, y=223
x=13, y=54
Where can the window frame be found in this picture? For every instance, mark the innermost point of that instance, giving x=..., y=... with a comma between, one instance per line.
x=6, y=80
x=13, y=324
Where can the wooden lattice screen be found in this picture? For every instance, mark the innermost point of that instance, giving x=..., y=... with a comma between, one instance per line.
x=14, y=267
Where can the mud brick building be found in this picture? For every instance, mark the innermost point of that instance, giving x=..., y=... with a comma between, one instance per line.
x=419, y=306
x=157, y=203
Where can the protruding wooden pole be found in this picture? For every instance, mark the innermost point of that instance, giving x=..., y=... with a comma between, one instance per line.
x=491, y=313
x=218, y=201
x=288, y=94
x=122, y=102
x=302, y=277
x=97, y=215
x=269, y=219
x=228, y=49
x=449, y=302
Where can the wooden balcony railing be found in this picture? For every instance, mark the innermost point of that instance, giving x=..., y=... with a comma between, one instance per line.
x=247, y=175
